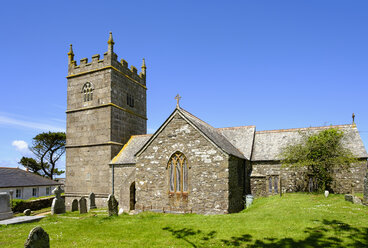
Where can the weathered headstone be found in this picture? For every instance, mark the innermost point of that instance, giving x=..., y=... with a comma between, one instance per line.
x=74, y=205
x=366, y=188
x=82, y=205
x=37, y=238
x=27, y=212
x=248, y=200
x=92, y=203
x=58, y=204
x=112, y=205
x=5, y=210
x=349, y=198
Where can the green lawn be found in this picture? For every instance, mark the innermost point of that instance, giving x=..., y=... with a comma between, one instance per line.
x=295, y=220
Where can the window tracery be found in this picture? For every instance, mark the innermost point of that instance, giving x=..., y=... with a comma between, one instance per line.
x=178, y=173
x=87, y=92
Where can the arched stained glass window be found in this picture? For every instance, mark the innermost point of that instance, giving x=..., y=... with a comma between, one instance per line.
x=87, y=92
x=178, y=173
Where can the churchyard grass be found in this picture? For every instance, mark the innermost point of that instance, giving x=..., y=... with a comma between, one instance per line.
x=294, y=220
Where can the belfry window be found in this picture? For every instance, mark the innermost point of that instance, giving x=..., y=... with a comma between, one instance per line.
x=87, y=92
x=130, y=100
x=178, y=173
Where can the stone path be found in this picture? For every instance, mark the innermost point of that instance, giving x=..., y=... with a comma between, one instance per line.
x=21, y=219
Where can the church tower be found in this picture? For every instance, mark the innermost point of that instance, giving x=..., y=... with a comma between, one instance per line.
x=106, y=104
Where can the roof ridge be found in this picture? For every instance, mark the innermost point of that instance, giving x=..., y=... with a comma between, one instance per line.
x=249, y=126
x=302, y=128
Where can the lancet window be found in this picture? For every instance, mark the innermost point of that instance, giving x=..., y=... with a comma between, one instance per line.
x=178, y=173
x=87, y=92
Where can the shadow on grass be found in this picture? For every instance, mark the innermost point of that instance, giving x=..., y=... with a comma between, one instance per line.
x=327, y=234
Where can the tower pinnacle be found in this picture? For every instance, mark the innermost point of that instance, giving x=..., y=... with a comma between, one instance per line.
x=110, y=43
x=71, y=54
x=144, y=67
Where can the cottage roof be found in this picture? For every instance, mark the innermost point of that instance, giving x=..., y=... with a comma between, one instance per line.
x=15, y=177
x=127, y=153
x=269, y=144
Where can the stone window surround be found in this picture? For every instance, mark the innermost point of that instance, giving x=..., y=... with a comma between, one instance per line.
x=87, y=91
x=178, y=157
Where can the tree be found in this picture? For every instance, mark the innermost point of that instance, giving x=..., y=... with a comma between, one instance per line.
x=320, y=154
x=47, y=148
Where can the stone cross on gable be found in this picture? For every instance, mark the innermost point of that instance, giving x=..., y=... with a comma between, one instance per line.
x=353, y=116
x=178, y=97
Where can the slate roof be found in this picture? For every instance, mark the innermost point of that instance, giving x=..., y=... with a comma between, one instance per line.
x=126, y=155
x=213, y=134
x=243, y=142
x=240, y=137
x=268, y=144
x=15, y=177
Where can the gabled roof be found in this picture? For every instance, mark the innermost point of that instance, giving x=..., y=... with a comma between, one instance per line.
x=126, y=155
x=241, y=137
x=213, y=134
x=209, y=132
x=269, y=144
x=15, y=177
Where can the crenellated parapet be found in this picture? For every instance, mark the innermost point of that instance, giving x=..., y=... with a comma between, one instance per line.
x=109, y=61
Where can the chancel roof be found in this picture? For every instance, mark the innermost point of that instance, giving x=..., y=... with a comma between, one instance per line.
x=15, y=177
x=241, y=138
x=269, y=144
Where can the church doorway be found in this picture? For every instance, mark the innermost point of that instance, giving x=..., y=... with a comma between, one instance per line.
x=132, y=196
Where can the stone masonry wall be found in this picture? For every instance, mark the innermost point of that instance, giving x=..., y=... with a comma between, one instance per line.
x=208, y=172
x=124, y=177
x=98, y=128
x=293, y=180
x=236, y=184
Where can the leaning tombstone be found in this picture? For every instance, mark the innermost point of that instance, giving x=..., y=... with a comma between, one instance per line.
x=74, y=205
x=27, y=212
x=82, y=205
x=112, y=205
x=37, y=238
x=58, y=204
x=5, y=210
x=92, y=203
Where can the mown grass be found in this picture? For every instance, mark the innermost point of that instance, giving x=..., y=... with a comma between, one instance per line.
x=294, y=220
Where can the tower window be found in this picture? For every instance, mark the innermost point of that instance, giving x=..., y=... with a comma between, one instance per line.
x=87, y=92
x=130, y=100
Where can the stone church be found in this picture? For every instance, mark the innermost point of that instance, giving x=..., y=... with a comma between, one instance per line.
x=186, y=166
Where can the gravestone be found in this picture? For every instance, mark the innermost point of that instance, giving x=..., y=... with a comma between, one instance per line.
x=366, y=188
x=82, y=205
x=75, y=205
x=92, y=203
x=349, y=198
x=37, y=238
x=5, y=210
x=112, y=205
x=27, y=212
x=58, y=204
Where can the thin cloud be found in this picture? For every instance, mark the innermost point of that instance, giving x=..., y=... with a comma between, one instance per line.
x=29, y=124
x=20, y=145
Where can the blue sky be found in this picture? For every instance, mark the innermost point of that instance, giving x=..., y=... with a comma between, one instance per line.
x=273, y=64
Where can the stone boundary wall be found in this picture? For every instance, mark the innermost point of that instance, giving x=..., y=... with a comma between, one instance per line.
x=34, y=204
